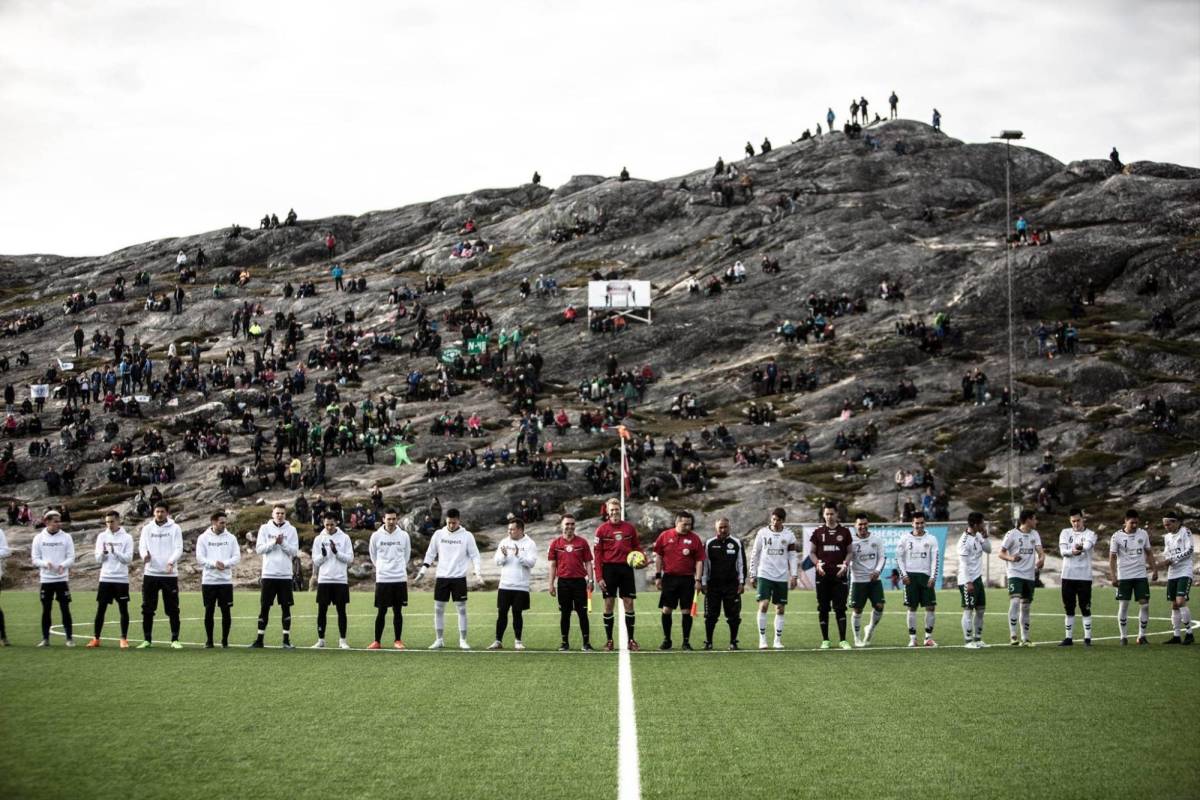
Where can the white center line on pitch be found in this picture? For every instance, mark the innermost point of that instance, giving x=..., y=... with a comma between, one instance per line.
x=629, y=777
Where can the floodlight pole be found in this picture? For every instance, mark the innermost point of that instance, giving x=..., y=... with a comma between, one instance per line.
x=1008, y=137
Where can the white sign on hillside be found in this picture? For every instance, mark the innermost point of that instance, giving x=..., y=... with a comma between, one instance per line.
x=621, y=295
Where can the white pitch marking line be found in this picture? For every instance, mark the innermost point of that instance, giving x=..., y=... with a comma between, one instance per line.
x=629, y=777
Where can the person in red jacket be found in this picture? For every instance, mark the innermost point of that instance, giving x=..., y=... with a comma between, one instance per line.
x=615, y=539
x=570, y=579
x=679, y=557
x=329, y=243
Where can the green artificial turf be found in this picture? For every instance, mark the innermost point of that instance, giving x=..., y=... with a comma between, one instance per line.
x=885, y=722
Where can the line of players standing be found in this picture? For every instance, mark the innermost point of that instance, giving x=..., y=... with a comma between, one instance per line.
x=847, y=568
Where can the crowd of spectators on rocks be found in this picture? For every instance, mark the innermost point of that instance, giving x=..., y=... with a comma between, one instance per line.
x=769, y=379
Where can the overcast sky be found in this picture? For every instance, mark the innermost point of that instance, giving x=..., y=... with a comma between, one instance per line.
x=131, y=120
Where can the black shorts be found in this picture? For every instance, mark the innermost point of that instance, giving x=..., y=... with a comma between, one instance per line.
x=678, y=591
x=718, y=597
x=391, y=594
x=832, y=592
x=276, y=590
x=618, y=580
x=1077, y=592
x=109, y=592
x=445, y=588
x=337, y=594
x=513, y=599
x=57, y=590
x=217, y=594
x=572, y=593
x=152, y=587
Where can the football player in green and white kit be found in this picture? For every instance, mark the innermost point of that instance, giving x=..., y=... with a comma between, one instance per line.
x=972, y=544
x=1129, y=561
x=866, y=564
x=1179, y=552
x=917, y=560
x=1022, y=549
x=1075, y=545
x=773, y=563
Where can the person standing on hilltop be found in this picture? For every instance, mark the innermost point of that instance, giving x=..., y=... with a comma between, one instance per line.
x=937, y=120
x=893, y=103
x=829, y=118
x=853, y=110
x=749, y=150
x=862, y=109
x=1115, y=158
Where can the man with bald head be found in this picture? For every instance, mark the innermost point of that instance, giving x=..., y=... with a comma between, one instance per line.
x=722, y=582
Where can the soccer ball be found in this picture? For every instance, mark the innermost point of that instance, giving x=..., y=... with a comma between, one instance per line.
x=636, y=559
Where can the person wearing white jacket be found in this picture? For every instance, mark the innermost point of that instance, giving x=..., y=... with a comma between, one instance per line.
x=277, y=543
x=53, y=553
x=332, y=554
x=451, y=548
x=390, y=549
x=114, y=551
x=515, y=556
x=160, y=545
x=4, y=554
x=217, y=553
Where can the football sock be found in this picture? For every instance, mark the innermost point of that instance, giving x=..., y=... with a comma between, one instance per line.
x=876, y=615
x=1025, y=620
x=856, y=621
x=1087, y=626
x=461, y=605
x=979, y=623
x=823, y=617
x=841, y=623
x=929, y=618
x=734, y=624
x=1174, y=622
x=66, y=618
x=226, y=624
x=666, y=626
x=1143, y=620
x=1185, y=618
x=439, y=618
x=1070, y=626
x=1123, y=617
x=630, y=618
x=686, y=620
x=762, y=623
x=911, y=616
x=322, y=618
x=343, y=623
x=1014, y=615
x=209, y=616
x=967, y=619
x=264, y=616
x=99, y=623
x=564, y=623
x=779, y=626
x=608, y=626
x=123, y=613
x=502, y=626
x=518, y=623
x=380, y=621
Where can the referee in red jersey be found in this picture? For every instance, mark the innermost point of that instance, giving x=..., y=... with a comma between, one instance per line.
x=615, y=540
x=570, y=562
x=679, y=555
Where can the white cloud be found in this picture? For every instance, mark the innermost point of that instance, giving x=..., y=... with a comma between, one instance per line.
x=134, y=120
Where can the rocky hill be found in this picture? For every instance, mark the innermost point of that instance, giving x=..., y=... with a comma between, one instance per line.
x=840, y=215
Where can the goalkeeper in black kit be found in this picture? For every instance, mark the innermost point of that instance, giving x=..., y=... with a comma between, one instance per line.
x=723, y=582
